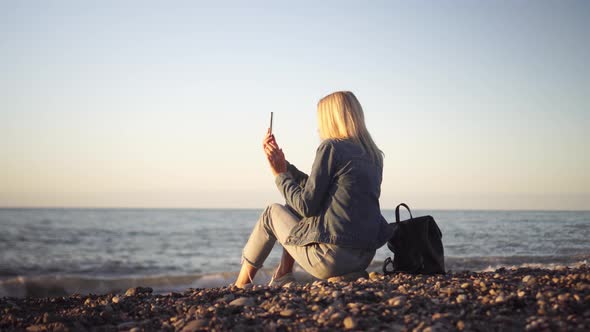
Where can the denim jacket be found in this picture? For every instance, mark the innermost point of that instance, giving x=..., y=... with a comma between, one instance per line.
x=339, y=201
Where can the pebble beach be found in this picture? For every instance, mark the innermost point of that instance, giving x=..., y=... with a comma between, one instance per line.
x=503, y=300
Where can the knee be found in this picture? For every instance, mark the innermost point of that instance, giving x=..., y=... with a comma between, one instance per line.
x=272, y=208
x=267, y=215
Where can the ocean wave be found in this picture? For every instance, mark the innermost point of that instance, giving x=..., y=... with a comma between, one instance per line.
x=64, y=285
x=490, y=263
x=62, y=266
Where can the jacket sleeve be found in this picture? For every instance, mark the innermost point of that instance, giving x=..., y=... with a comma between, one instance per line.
x=297, y=175
x=307, y=200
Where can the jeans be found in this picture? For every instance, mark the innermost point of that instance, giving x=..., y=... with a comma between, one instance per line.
x=321, y=260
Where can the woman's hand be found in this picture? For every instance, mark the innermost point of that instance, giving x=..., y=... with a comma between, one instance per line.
x=274, y=155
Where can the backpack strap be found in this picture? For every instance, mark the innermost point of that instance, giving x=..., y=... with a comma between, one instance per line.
x=397, y=211
x=388, y=261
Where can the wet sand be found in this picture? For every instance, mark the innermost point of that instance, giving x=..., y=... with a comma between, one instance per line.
x=504, y=300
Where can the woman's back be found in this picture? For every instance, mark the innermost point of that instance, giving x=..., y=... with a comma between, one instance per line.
x=353, y=210
x=340, y=201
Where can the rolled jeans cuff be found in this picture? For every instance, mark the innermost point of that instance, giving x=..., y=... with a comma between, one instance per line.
x=249, y=262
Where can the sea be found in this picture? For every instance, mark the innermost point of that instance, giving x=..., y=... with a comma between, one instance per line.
x=63, y=251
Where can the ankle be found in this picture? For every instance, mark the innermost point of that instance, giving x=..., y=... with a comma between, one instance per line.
x=280, y=272
x=242, y=282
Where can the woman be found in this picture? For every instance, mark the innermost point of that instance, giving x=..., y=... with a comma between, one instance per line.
x=332, y=224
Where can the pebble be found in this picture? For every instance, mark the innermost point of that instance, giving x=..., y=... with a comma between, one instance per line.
x=48, y=318
x=229, y=297
x=396, y=301
x=461, y=298
x=126, y=325
x=138, y=290
x=353, y=305
x=178, y=323
x=507, y=299
x=60, y=327
x=529, y=280
x=460, y=325
x=243, y=301
x=131, y=292
x=446, y=290
x=439, y=315
x=195, y=325
x=287, y=313
x=349, y=323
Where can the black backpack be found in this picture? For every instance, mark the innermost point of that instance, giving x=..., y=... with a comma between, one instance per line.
x=416, y=245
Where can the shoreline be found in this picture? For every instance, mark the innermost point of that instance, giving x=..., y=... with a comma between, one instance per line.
x=67, y=284
x=505, y=299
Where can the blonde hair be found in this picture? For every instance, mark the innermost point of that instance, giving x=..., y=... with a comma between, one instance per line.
x=340, y=116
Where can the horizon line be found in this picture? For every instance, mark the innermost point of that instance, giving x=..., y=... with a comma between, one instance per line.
x=250, y=208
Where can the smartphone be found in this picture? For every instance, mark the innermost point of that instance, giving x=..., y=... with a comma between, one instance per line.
x=270, y=122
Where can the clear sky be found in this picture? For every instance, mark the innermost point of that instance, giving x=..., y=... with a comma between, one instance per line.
x=476, y=104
